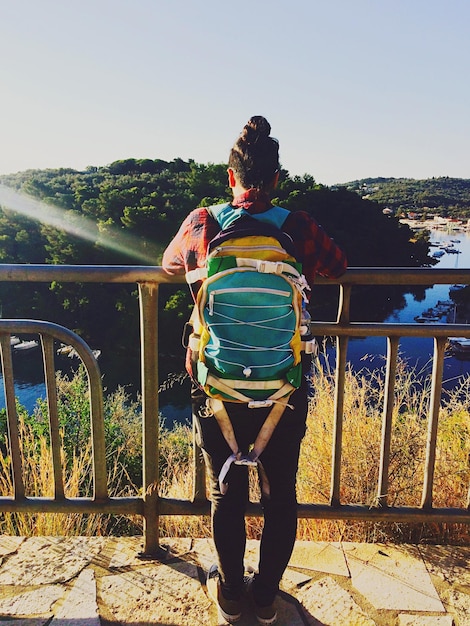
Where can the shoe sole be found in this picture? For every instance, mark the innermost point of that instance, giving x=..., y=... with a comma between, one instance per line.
x=267, y=622
x=230, y=619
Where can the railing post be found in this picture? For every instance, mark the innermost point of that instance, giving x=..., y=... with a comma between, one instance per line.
x=434, y=405
x=51, y=392
x=392, y=356
x=12, y=418
x=341, y=355
x=341, y=352
x=344, y=304
x=148, y=299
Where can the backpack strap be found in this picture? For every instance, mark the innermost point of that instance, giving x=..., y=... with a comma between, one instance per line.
x=262, y=439
x=226, y=214
x=260, y=265
x=225, y=385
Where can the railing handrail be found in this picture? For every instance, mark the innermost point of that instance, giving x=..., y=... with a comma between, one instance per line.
x=154, y=273
x=149, y=505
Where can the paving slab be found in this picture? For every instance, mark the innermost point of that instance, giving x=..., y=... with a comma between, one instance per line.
x=252, y=555
x=8, y=545
x=48, y=560
x=391, y=577
x=157, y=593
x=325, y=602
x=57, y=582
x=450, y=563
x=34, y=602
x=206, y=555
x=80, y=603
x=204, y=551
x=176, y=546
x=459, y=605
x=125, y=552
x=293, y=579
x=320, y=556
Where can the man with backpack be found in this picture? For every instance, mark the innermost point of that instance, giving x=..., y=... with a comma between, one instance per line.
x=250, y=265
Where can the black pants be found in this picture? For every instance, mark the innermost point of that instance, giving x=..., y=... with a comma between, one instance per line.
x=280, y=461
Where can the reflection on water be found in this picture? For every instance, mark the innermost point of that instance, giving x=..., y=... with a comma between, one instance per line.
x=368, y=353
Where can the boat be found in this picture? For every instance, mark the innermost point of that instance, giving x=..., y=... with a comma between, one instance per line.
x=14, y=340
x=64, y=349
x=435, y=313
x=71, y=353
x=460, y=347
x=422, y=319
x=25, y=346
x=454, y=288
x=438, y=254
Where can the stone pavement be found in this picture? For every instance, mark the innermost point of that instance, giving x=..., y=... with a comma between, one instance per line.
x=79, y=581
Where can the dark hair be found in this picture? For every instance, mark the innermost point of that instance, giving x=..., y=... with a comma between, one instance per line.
x=255, y=155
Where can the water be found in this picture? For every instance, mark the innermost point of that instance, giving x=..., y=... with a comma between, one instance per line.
x=369, y=352
x=362, y=353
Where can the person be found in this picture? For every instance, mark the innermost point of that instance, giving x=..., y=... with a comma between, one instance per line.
x=253, y=172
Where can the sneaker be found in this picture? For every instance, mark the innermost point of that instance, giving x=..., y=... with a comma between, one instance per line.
x=266, y=615
x=230, y=610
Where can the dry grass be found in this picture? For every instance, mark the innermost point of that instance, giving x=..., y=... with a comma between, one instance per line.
x=362, y=425
x=362, y=431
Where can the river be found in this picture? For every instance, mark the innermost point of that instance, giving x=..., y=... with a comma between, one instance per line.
x=364, y=353
x=418, y=351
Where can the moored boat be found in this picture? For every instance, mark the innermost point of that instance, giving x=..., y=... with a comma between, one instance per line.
x=460, y=346
x=25, y=346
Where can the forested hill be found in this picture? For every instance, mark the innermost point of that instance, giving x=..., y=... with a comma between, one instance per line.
x=444, y=196
x=147, y=199
x=143, y=202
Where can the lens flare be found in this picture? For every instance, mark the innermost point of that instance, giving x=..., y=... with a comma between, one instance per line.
x=77, y=225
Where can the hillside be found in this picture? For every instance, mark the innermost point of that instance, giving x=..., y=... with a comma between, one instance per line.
x=444, y=196
x=128, y=211
x=148, y=199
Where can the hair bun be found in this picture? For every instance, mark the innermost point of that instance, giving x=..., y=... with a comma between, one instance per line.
x=256, y=128
x=255, y=155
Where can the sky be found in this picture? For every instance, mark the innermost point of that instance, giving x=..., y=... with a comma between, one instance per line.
x=352, y=88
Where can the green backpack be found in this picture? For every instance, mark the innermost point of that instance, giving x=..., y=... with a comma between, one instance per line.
x=246, y=343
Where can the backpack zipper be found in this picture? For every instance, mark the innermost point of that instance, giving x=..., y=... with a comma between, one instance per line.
x=275, y=292
x=233, y=249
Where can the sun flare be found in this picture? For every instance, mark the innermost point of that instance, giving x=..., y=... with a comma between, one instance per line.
x=77, y=225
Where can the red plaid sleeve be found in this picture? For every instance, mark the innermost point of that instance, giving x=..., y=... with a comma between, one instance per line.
x=317, y=252
x=188, y=249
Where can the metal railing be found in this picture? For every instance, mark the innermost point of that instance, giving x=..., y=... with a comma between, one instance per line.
x=149, y=505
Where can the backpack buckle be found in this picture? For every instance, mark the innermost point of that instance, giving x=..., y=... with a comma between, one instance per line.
x=259, y=404
x=245, y=460
x=269, y=267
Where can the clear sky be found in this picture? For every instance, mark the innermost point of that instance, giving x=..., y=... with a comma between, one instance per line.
x=352, y=88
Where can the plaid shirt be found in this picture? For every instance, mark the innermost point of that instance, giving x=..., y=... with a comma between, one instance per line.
x=317, y=252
